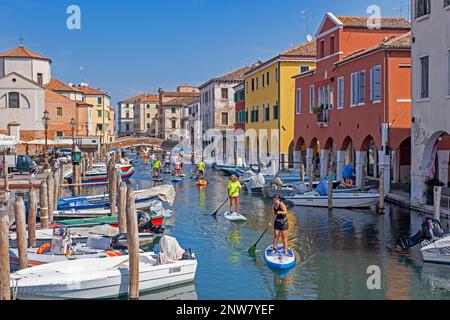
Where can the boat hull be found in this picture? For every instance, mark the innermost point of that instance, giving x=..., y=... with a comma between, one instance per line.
x=339, y=201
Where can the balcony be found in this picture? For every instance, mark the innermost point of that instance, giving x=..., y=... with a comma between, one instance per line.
x=322, y=118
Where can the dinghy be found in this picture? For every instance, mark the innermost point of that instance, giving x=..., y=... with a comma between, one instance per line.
x=340, y=200
x=234, y=217
x=102, y=278
x=279, y=260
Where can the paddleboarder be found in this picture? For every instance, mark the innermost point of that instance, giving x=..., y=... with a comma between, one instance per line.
x=234, y=187
x=201, y=167
x=156, y=168
x=281, y=225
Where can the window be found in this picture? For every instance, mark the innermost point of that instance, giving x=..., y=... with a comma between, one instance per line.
x=304, y=69
x=298, y=101
x=148, y=125
x=246, y=116
x=422, y=8
x=174, y=124
x=358, y=88
x=446, y=3
x=275, y=112
x=375, y=84
x=99, y=113
x=311, y=98
x=424, y=90
x=225, y=93
x=276, y=74
x=174, y=110
x=13, y=100
x=148, y=106
x=127, y=127
x=224, y=118
x=263, y=80
x=59, y=111
x=252, y=115
x=268, y=113
x=236, y=117
x=59, y=134
x=257, y=83
x=257, y=114
x=127, y=115
x=148, y=115
x=332, y=45
x=40, y=79
x=340, y=89
x=268, y=77
x=253, y=84
x=99, y=100
x=448, y=68
x=322, y=49
x=246, y=88
x=99, y=127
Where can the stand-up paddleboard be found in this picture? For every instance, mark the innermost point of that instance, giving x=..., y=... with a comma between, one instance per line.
x=158, y=179
x=202, y=183
x=182, y=175
x=234, y=217
x=280, y=260
x=177, y=180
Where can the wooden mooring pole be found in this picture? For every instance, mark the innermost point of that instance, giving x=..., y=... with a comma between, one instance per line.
x=381, y=191
x=113, y=189
x=437, y=203
x=5, y=287
x=51, y=195
x=21, y=231
x=133, y=245
x=43, y=203
x=122, y=208
x=302, y=173
x=56, y=189
x=32, y=219
x=330, y=184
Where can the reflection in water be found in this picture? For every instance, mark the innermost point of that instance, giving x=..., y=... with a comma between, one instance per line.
x=184, y=292
x=333, y=249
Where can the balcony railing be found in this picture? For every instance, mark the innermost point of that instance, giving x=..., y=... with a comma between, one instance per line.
x=322, y=118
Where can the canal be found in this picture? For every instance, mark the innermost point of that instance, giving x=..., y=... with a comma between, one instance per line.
x=334, y=250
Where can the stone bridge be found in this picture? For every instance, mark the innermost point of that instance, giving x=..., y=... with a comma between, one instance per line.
x=135, y=141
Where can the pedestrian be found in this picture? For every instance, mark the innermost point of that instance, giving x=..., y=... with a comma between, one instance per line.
x=234, y=187
x=281, y=224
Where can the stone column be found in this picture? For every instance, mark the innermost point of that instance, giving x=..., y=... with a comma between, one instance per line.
x=396, y=166
x=297, y=160
x=418, y=188
x=324, y=162
x=309, y=160
x=443, y=157
x=385, y=163
x=361, y=157
x=340, y=164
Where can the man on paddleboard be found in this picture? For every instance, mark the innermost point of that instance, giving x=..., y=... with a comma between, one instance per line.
x=156, y=168
x=281, y=224
x=234, y=187
x=201, y=167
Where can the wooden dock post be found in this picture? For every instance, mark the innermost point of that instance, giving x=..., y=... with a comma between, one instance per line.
x=22, y=245
x=56, y=189
x=381, y=191
x=122, y=208
x=5, y=175
x=311, y=176
x=77, y=179
x=133, y=245
x=437, y=203
x=43, y=203
x=5, y=287
x=50, y=194
x=302, y=173
x=32, y=219
x=113, y=189
x=330, y=184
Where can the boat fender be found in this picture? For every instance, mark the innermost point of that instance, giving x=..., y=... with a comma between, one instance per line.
x=44, y=248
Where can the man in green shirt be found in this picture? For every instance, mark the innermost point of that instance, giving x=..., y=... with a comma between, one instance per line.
x=201, y=167
x=234, y=187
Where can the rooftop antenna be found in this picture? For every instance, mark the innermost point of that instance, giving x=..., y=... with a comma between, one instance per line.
x=21, y=42
x=306, y=16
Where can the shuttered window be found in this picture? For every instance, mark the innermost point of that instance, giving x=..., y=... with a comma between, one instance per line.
x=340, y=100
x=375, y=83
x=311, y=98
x=298, y=101
x=362, y=87
x=424, y=77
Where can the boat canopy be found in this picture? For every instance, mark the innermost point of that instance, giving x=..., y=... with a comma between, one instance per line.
x=165, y=193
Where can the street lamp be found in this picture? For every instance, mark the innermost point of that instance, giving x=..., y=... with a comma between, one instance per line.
x=46, y=122
x=72, y=126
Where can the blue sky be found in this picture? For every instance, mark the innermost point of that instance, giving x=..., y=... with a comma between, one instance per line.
x=126, y=47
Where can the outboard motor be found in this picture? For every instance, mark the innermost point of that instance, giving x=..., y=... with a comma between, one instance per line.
x=431, y=229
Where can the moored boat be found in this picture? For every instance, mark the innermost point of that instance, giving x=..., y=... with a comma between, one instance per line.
x=437, y=252
x=340, y=200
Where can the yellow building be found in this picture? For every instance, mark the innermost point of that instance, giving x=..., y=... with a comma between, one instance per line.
x=102, y=115
x=270, y=102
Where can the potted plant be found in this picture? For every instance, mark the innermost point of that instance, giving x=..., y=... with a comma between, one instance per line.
x=319, y=109
x=430, y=184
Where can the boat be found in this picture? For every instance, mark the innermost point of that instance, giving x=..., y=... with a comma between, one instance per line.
x=101, y=168
x=100, y=176
x=234, y=217
x=201, y=183
x=292, y=190
x=436, y=252
x=144, y=199
x=103, y=278
x=340, y=200
x=279, y=260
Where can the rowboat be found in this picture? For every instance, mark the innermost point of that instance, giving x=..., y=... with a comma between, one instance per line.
x=340, y=200
x=279, y=260
x=102, y=278
x=144, y=199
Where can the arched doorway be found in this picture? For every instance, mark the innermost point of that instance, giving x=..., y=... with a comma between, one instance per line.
x=371, y=165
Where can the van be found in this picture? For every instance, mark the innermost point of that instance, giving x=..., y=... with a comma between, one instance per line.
x=20, y=163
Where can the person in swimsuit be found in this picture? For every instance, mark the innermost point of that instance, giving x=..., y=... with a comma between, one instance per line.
x=281, y=224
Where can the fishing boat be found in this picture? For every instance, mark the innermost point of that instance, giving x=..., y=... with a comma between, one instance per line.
x=278, y=259
x=103, y=278
x=144, y=199
x=340, y=200
x=437, y=252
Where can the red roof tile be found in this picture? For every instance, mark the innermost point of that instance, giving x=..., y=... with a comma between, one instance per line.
x=57, y=85
x=386, y=22
x=22, y=52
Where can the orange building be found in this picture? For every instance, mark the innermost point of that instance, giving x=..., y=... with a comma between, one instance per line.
x=357, y=102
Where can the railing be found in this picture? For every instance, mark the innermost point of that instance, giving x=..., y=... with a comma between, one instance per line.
x=322, y=118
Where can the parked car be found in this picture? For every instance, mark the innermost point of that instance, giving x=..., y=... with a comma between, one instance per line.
x=64, y=153
x=21, y=164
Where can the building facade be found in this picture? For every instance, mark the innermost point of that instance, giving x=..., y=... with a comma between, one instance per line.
x=356, y=104
x=239, y=102
x=146, y=115
x=269, y=103
x=430, y=95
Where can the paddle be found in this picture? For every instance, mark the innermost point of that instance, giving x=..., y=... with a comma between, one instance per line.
x=252, y=249
x=215, y=213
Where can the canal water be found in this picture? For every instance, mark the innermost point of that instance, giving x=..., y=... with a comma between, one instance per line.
x=334, y=250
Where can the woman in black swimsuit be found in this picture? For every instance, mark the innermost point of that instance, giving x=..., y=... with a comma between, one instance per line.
x=281, y=224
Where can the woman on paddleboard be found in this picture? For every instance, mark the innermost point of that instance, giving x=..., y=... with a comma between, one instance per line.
x=234, y=187
x=281, y=224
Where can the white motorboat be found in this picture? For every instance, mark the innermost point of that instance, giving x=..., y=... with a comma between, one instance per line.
x=102, y=278
x=437, y=251
x=340, y=200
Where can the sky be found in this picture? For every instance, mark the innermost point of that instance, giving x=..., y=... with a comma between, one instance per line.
x=133, y=46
